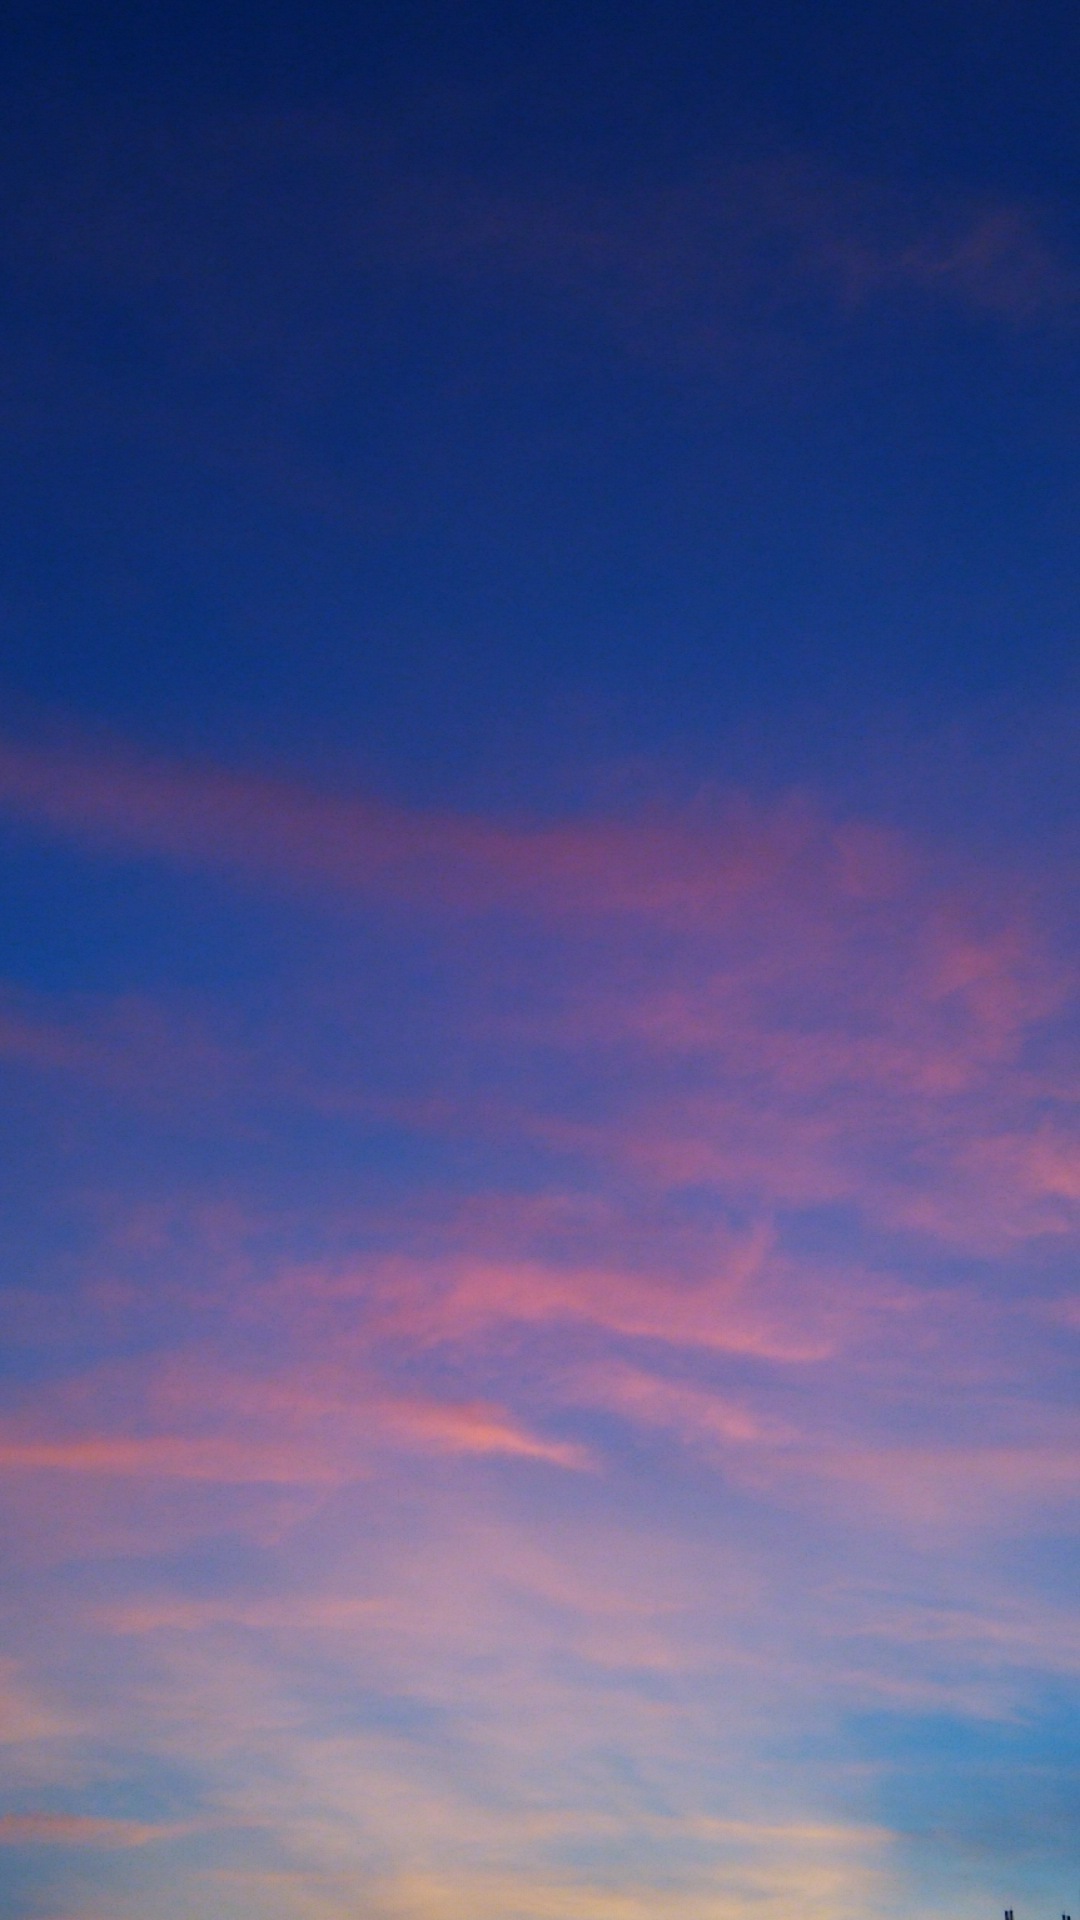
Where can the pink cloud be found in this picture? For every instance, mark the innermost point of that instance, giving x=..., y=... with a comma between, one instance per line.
x=691, y=1413
x=743, y=1299
x=127, y=1043
x=278, y=831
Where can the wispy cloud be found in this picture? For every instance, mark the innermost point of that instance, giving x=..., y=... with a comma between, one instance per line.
x=464, y=1517
x=277, y=831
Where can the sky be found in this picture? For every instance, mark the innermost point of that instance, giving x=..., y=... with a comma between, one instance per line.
x=539, y=727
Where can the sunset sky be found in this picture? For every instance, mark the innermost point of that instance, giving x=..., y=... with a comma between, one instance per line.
x=539, y=724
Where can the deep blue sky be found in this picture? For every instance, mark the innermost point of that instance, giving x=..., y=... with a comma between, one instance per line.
x=302, y=459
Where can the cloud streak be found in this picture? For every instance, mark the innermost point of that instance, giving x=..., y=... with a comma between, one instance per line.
x=280, y=832
x=694, y=266
x=78, y=1830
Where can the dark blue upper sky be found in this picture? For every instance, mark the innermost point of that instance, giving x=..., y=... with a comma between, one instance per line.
x=488, y=399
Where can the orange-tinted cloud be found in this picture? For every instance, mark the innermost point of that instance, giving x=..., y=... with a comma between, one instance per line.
x=79, y=1830
x=221, y=1458
x=292, y=1430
